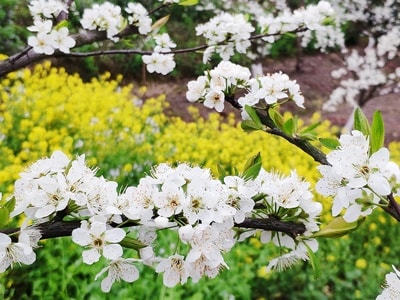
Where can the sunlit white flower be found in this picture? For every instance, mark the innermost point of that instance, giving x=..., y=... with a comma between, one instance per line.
x=225, y=27
x=215, y=99
x=196, y=89
x=101, y=240
x=360, y=169
x=118, y=269
x=159, y=63
x=42, y=43
x=104, y=17
x=14, y=253
x=138, y=16
x=392, y=286
x=46, y=8
x=41, y=26
x=175, y=268
x=163, y=42
x=62, y=41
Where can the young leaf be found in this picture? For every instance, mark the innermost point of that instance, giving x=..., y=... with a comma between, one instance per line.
x=249, y=125
x=361, y=122
x=252, y=167
x=338, y=227
x=160, y=23
x=289, y=127
x=331, y=144
x=253, y=115
x=276, y=117
x=221, y=171
x=10, y=204
x=188, y=2
x=4, y=216
x=132, y=243
x=314, y=261
x=377, y=138
x=308, y=132
x=310, y=128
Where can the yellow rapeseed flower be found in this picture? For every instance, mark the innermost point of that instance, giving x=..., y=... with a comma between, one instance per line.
x=361, y=263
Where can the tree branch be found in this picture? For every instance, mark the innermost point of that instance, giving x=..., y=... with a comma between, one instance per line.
x=60, y=228
x=393, y=208
x=27, y=56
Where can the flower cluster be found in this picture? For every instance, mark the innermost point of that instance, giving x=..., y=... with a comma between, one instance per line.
x=158, y=62
x=357, y=179
x=225, y=27
x=138, y=16
x=271, y=89
x=48, y=38
x=222, y=81
x=103, y=17
x=285, y=198
x=212, y=87
x=367, y=72
x=313, y=17
x=50, y=184
x=186, y=199
x=392, y=286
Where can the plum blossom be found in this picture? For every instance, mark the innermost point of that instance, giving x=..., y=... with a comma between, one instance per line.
x=47, y=9
x=355, y=181
x=11, y=252
x=62, y=41
x=118, y=269
x=271, y=89
x=159, y=63
x=215, y=99
x=233, y=29
x=213, y=87
x=103, y=17
x=100, y=240
x=175, y=268
x=138, y=16
x=42, y=43
x=392, y=286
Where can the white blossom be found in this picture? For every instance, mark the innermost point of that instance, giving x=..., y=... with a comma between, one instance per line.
x=159, y=63
x=392, y=286
x=11, y=252
x=118, y=269
x=100, y=240
x=175, y=268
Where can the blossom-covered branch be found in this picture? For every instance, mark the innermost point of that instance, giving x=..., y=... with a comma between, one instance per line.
x=224, y=34
x=60, y=228
x=63, y=197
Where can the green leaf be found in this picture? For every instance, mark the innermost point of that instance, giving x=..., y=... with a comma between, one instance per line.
x=377, y=139
x=310, y=128
x=289, y=126
x=63, y=23
x=252, y=167
x=338, y=227
x=276, y=117
x=361, y=122
x=132, y=243
x=221, y=171
x=4, y=216
x=314, y=261
x=253, y=115
x=10, y=204
x=249, y=125
x=329, y=143
x=188, y=2
x=308, y=132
